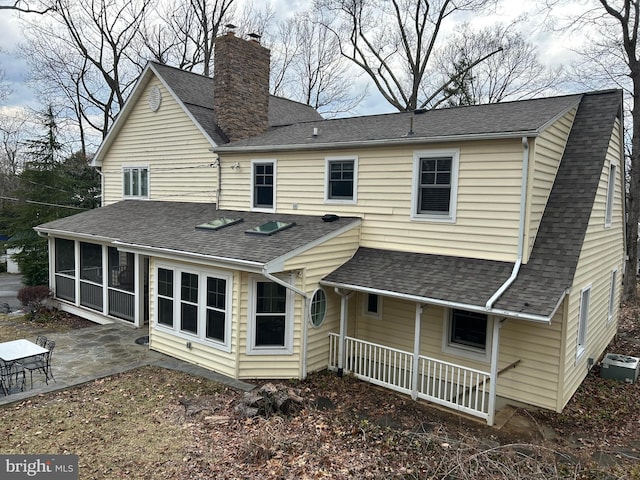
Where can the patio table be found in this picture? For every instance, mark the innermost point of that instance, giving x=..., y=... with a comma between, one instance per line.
x=16, y=350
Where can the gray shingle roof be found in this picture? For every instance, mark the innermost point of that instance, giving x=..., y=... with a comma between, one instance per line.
x=196, y=93
x=551, y=268
x=542, y=282
x=466, y=281
x=171, y=225
x=526, y=117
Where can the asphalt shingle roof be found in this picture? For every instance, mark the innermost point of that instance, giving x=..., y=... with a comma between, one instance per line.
x=171, y=225
x=466, y=281
x=551, y=268
x=542, y=282
x=498, y=119
x=196, y=93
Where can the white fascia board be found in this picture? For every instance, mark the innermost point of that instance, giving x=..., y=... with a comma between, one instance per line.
x=444, y=303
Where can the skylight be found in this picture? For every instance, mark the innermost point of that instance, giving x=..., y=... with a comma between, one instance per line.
x=218, y=223
x=270, y=228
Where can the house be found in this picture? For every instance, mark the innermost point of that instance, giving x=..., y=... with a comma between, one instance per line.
x=465, y=256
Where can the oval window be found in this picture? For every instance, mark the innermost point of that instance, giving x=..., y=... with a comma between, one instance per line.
x=318, y=307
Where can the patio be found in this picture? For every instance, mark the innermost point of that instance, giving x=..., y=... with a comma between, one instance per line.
x=87, y=354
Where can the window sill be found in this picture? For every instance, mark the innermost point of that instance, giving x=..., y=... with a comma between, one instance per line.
x=433, y=218
x=467, y=352
x=269, y=351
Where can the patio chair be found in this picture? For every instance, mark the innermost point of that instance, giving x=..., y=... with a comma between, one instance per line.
x=41, y=340
x=12, y=378
x=40, y=363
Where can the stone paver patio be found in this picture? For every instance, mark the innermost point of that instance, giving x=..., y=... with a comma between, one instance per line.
x=87, y=354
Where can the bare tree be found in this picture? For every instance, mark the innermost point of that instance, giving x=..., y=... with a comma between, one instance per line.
x=84, y=51
x=610, y=56
x=183, y=34
x=25, y=7
x=512, y=74
x=393, y=41
x=308, y=67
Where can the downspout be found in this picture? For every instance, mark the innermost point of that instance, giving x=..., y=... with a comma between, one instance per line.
x=521, y=225
x=304, y=295
x=495, y=343
x=218, y=163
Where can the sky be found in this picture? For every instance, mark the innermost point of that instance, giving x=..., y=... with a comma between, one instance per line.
x=553, y=48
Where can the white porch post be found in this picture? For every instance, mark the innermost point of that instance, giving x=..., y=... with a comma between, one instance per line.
x=76, y=252
x=137, y=290
x=343, y=331
x=416, y=352
x=493, y=382
x=105, y=280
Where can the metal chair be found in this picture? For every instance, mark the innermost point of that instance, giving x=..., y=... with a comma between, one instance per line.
x=12, y=378
x=41, y=340
x=41, y=363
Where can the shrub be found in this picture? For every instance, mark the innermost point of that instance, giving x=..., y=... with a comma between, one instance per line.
x=34, y=299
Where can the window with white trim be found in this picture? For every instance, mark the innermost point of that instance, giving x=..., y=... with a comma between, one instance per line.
x=194, y=304
x=270, y=322
x=612, y=294
x=372, y=305
x=435, y=185
x=583, y=319
x=341, y=180
x=135, y=182
x=318, y=307
x=611, y=187
x=467, y=334
x=263, y=180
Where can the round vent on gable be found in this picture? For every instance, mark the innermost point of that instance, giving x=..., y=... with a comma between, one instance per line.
x=154, y=99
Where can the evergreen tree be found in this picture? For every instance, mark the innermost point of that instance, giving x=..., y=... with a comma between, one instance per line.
x=49, y=188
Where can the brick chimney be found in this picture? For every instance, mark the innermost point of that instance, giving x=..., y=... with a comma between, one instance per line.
x=241, y=86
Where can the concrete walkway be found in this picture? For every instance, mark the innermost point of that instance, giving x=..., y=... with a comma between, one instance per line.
x=87, y=354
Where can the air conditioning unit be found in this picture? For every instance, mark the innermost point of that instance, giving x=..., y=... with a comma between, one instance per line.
x=620, y=367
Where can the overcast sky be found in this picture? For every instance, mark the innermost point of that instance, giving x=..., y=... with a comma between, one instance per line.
x=552, y=48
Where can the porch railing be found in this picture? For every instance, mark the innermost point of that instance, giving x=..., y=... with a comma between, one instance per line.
x=65, y=288
x=454, y=386
x=122, y=304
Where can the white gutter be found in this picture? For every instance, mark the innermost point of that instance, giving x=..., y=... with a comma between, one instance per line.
x=372, y=143
x=521, y=225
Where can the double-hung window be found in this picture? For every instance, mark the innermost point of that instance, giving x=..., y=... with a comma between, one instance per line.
x=135, y=182
x=194, y=304
x=270, y=323
x=435, y=185
x=341, y=180
x=263, y=188
x=467, y=334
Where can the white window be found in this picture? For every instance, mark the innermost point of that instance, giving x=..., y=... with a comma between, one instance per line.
x=135, y=182
x=372, y=305
x=341, y=185
x=611, y=188
x=318, y=307
x=194, y=304
x=612, y=294
x=435, y=174
x=263, y=180
x=583, y=319
x=467, y=334
x=270, y=323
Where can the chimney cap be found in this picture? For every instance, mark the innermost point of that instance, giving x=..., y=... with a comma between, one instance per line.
x=255, y=37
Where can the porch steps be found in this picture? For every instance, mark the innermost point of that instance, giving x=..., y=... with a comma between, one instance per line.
x=503, y=416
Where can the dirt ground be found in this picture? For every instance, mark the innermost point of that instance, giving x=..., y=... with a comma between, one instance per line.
x=154, y=423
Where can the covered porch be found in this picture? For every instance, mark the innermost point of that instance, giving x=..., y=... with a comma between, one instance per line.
x=426, y=326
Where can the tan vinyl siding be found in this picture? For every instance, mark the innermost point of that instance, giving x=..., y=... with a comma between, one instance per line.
x=169, y=143
x=316, y=264
x=545, y=155
x=601, y=253
x=488, y=201
x=174, y=345
x=534, y=380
